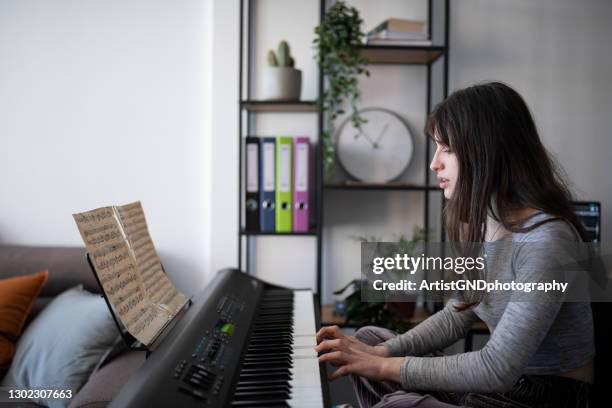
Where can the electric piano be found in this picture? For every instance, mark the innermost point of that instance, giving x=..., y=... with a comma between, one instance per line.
x=242, y=343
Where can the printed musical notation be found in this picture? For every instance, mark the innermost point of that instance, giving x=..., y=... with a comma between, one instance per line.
x=156, y=283
x=129, y=269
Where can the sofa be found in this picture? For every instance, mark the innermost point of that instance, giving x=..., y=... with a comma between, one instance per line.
x=67, y=268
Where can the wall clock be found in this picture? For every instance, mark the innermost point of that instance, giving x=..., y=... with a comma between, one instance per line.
x=380, y=152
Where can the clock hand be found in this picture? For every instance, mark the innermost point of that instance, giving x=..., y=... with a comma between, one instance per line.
x=382, y=132
x=362, y=133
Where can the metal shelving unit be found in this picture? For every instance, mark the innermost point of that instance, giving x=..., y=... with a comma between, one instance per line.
x=433, y=58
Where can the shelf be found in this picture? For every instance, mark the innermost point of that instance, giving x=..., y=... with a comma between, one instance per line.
x=329, y=318
x=354, y=185
x=280, y=106
x=393, y=54
x=288, y=234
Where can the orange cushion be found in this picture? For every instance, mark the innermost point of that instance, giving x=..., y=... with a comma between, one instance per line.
x=17, y=296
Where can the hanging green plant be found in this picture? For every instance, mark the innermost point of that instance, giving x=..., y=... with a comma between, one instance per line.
x=338, y=42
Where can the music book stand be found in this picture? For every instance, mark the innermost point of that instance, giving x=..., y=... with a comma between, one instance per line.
x=130, y=341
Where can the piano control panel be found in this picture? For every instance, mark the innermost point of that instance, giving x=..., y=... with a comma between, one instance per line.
x=203, y=373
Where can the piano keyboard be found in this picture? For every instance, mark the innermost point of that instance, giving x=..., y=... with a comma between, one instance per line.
x=281, y=368
x=243, y=343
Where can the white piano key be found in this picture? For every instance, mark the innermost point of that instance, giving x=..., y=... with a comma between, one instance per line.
x=306, y=381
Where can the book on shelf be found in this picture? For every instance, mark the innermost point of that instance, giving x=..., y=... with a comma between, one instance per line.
x=398, y=32
x=129, y=271
x=400, y=25
x=399, y=43
x=398, y=35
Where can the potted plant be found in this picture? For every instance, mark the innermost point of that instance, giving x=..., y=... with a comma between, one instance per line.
x=282, y=81
x=395, y=315
x=338, y=42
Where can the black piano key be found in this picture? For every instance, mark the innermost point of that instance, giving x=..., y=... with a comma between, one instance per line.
x=285, y=387
x=275, y=309
x=257, y=383
x=268, y=365
x=272, y=327
x=284, y=354
x=268, y=330
x=286, y=339
x=255, y=403
x=268, y=322
x=272, y=346
x=269, y=341
x=269, y=360
x=279, y=371
x=261, y=395
x=284, y=336
x=272, y=316
x=285, y=322
x=266, y=352
x=264, y=377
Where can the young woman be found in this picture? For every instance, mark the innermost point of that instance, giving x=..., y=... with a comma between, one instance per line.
x=500, y=185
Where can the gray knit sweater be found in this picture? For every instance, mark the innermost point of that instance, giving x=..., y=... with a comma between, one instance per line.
x=548, y=337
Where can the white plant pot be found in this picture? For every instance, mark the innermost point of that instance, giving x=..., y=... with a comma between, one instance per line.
x=282, y=83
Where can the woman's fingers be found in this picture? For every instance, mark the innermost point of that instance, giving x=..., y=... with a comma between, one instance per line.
x=337, y=357
x=340, y=372
x=329, y=344
x=329, y=332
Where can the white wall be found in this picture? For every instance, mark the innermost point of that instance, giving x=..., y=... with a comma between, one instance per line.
x=223, y=226
x=106, y=102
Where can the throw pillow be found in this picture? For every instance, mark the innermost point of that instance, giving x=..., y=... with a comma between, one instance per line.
x=63, y=346
x=17, y=296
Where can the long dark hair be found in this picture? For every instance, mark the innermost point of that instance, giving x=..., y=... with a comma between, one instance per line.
x=503, y=165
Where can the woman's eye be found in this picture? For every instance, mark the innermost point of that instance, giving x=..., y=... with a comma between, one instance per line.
x=446, y=150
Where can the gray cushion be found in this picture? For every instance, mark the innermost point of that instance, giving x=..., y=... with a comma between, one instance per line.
x=63, y=346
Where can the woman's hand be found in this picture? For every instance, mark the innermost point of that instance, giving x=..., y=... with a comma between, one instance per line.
x=334, y=333
x=355, y=357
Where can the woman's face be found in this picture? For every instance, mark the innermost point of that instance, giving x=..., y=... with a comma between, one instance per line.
x=446, y=166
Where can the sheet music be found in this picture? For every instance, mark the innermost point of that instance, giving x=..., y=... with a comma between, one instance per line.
x=116, y=268
x=158, y=287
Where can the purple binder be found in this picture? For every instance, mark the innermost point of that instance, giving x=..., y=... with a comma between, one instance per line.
x=301, y=183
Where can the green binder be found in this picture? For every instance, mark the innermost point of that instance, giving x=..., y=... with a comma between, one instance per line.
x=284, y=183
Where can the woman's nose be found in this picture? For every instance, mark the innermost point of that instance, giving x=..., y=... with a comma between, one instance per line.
x=435, y=164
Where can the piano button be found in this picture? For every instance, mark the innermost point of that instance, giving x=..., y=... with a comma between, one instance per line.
x=194, y=393
x=203, y=368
